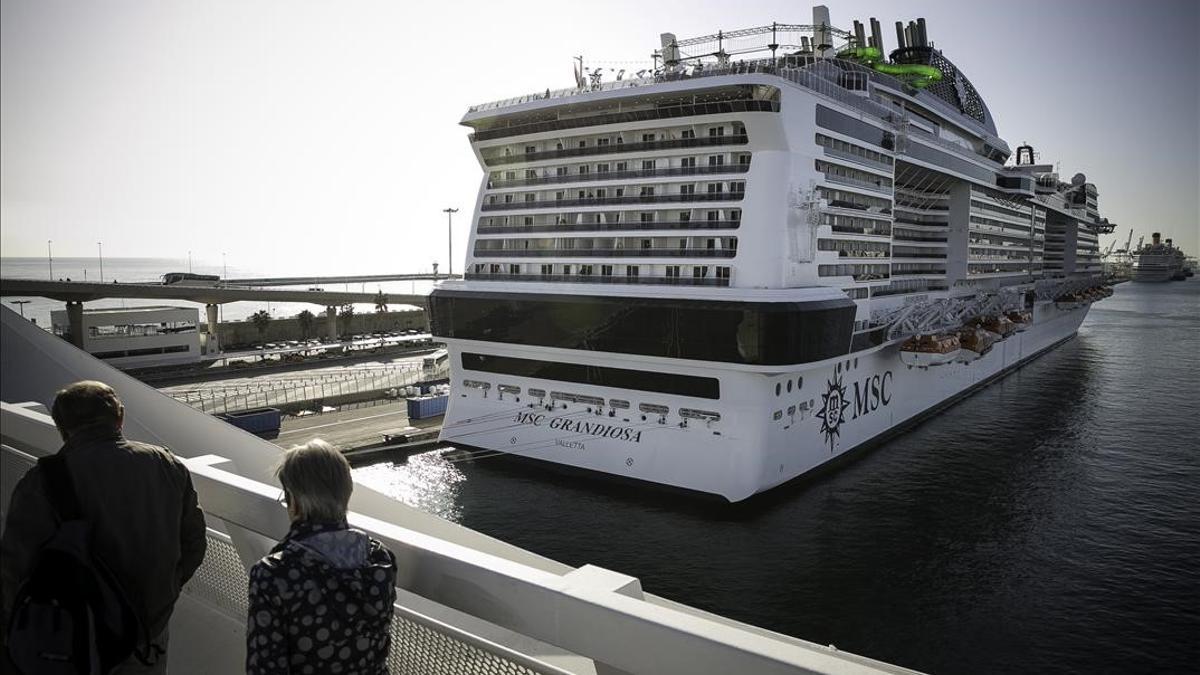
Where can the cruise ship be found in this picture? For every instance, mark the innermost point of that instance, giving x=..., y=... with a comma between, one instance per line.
x=773, y=248
x=1159, y=261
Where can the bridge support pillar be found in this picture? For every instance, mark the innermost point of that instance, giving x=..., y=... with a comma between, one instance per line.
x=75, y=319
x=331, y=323
x=212, y=343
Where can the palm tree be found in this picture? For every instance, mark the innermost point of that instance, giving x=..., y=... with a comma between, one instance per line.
x=346, y=317
x=381, y=302
x=261, y=318
x=306, y=319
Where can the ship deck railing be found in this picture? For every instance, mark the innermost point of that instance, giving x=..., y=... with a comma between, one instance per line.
x=459, y=609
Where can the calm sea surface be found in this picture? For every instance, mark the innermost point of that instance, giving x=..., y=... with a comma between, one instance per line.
x=1048, y=523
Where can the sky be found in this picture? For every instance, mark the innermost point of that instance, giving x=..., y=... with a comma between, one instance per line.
x=321, y=137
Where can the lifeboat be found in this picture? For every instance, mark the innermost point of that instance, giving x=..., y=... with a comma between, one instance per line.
x=1020, y=319
x=924, y=351
x=997, y=324
x=974, y=342
x=1069, y=301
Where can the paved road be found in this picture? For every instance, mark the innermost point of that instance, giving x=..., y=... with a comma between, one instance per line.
x=350, y=428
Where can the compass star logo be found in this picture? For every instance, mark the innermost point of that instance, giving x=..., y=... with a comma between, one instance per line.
x=833, y=409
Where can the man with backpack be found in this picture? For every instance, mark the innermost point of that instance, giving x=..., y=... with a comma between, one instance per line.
x=119, y=522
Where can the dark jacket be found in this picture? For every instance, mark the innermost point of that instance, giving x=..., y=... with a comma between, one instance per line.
x=147, y=526
x=323, y=596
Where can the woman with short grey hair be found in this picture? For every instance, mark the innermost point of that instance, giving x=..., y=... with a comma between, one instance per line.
x=323, y=596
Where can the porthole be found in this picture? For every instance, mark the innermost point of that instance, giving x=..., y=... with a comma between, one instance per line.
x=778, y=386
x=789, y=386
x=799, y=383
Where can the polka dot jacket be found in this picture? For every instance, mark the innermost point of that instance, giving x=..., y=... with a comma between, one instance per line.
x=321, y=602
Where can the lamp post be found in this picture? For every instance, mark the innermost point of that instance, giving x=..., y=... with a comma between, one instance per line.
x=450, y=238
x=50, y=258
x=224, y=268
x=100, y=249
x=20, y=304
x=189, y=262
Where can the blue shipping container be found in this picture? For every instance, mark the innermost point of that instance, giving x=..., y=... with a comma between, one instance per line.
x=422, y=407
x=260, y=421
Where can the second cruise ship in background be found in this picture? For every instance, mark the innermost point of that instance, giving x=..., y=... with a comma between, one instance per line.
x=723, y=273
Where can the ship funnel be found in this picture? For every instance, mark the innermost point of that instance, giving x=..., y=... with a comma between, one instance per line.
x=901, y=43
x=670, y=51
x=804, y=45
x=876, y=35
x=860, y=36
x=924, y=36
x=1154, y=238
x=822, y=37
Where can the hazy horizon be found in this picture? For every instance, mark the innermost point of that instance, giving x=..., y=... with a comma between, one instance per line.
x=325, y=137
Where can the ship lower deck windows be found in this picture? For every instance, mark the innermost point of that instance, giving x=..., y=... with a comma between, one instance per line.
x=618, y=378
x=734, y=332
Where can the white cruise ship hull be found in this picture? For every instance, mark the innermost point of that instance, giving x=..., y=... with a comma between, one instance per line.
x=823, y=410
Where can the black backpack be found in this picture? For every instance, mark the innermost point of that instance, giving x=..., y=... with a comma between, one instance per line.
x=71, y=615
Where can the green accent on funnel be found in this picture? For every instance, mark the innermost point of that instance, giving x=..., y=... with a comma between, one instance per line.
x=915, y=74
x=868, y=54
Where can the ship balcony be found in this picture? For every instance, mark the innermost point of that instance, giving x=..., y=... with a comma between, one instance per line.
x=616, y=201
x=629, y=226
x=619, y=148
x=877, y=187
x=602, y=279
x=592, y=176
x=608, y=253
x=626, y=117
x=880, y=232
x=858, y=159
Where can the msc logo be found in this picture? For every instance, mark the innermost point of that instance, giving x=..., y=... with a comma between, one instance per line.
x=870, y=394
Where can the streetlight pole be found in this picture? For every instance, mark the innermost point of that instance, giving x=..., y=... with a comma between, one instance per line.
x=21, y=304
x=100, y=248
x=50, y=258
x=189, y=262
x=224, y=268
x=450, y=238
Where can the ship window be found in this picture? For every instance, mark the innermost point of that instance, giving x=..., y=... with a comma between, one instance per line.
x=687, y=133
x=631, y=270
x=547, y=269
x=602, y=168
x=583, y=144
x=622, y=166
x=699, y=271
x=638, y=380
x=601, y=141
x=723, y=272
x=714, y=188
x=583, y=169
x=800, y=380
x=714, y=216
x=647, y=191
x=530, y=148
x=606, y=270
x=647, y=165
x=710, y=244
x=560, y=171
x=566, y=269
x=646, y=243
x=716, y=160
x=688, y=162
x=647, y=138
x=778, y=415
x=716, y=131
x=778, y=388
x=789, y=386
x=687, y=189
x=672, y=271
x=647, y=217
x=514, y=269
x=685, y=216
x=558, y=146
x=528, y=220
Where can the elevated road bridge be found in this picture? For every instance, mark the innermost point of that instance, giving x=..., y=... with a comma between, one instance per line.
x=318, y=281
x=75, y=293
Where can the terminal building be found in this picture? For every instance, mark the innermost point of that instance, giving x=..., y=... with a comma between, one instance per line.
x=137, y=337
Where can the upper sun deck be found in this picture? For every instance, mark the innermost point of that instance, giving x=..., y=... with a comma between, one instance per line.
x=918, y=81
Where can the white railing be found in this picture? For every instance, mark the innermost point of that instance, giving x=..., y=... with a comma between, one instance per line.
x=460, y=609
